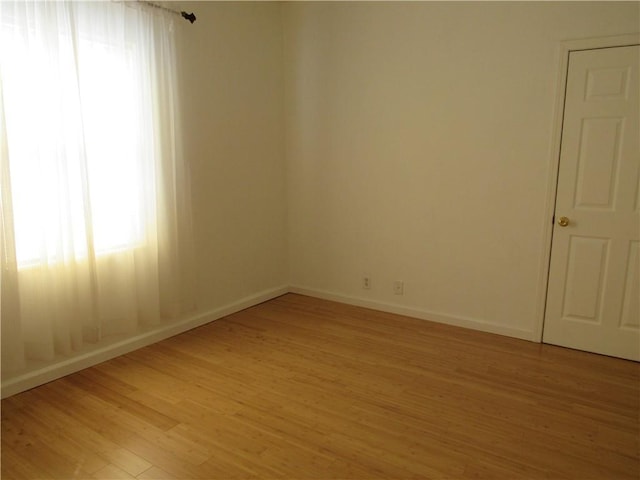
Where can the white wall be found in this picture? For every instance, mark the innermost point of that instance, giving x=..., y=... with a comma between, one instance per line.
x=231, y=65
x=419, y=145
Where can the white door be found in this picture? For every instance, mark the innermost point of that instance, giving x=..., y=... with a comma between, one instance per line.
x=593, y=297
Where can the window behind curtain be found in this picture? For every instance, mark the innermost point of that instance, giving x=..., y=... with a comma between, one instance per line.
x=80, y=138
x=95, y=226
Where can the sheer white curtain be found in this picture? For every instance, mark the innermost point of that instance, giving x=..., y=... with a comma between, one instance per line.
x=95, y=211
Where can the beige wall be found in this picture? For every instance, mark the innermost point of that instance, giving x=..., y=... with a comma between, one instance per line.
x=231, y=69
x=408, y=141
x=419, y=147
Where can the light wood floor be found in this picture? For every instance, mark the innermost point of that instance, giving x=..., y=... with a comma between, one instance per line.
x=304, y=388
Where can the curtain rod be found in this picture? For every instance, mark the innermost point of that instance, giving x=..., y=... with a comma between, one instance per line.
x=188, y=16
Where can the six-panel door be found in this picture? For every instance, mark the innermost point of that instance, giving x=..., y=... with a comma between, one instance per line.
x=593, y=296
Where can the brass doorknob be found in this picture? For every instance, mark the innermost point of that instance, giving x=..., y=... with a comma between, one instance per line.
x=563, y=221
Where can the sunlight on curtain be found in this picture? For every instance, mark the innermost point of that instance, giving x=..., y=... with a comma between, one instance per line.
x=95, y=200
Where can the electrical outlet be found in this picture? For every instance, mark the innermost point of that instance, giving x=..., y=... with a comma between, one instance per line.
x=366, y=282
x=398, y=287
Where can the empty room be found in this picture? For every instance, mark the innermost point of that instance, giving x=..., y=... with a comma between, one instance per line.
x=329, y=240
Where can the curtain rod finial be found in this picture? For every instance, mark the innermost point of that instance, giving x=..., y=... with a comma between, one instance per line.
x=189, y=16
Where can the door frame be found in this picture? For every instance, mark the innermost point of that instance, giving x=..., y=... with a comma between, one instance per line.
x=564, y=50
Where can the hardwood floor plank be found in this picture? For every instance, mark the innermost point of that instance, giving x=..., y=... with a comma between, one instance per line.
x=300, y=387
x=155, y=473
x=16, y=466
x=111, y=472
x=122, y=402
x=162, y=457
x=128, y=461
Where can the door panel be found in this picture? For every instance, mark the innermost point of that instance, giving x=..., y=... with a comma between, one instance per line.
x=607, y=83
x=593, y=298
x=585, y=274
x=630, y=318
x=598, y=161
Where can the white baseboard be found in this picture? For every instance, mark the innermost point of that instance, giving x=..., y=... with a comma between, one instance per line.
x=470, y=323
x=95, y=355
x=82, y=360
